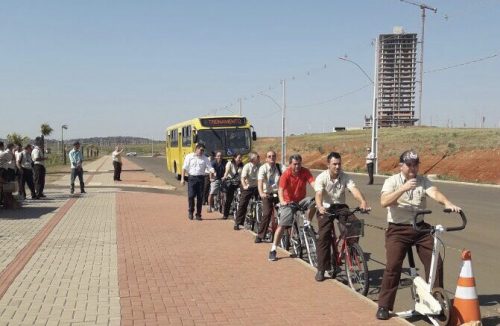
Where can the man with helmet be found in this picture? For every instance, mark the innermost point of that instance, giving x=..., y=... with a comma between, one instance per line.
x=403, y=194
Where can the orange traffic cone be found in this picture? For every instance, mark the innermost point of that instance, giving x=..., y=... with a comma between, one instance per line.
x=466, y=303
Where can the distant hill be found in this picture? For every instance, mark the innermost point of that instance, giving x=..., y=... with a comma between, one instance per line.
x=450, y=153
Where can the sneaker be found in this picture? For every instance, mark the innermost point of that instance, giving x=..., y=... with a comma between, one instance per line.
x=272, y=255
x=236, y=227
x=258, y=240
x=382, y=313
x=320, y=276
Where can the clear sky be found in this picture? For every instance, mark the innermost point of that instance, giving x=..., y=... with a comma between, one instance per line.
x=131, y=68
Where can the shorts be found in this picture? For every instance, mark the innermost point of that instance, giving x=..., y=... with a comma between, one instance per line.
x=287, y=213
x=215, y=186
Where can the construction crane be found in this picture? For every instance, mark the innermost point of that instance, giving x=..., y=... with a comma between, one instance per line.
x=423, y=7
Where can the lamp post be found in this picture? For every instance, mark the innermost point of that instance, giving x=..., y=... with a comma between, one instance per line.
x=62, y=143
x=283, y=126
x=374, y=141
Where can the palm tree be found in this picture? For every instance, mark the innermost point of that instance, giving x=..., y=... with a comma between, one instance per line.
x=16, y=138
x=46, y=130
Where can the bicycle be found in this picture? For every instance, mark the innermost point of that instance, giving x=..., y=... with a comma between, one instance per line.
x=346, y=249
x=301, y=236
x=432, y=302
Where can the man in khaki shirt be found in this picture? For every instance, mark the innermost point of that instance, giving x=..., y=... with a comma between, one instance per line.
x=404, y=194
x=248, y=187
x=330, y=187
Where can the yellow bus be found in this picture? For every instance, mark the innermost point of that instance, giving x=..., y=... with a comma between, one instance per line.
x=229, y=134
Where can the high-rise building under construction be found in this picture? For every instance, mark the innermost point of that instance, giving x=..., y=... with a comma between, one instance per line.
x=396, y=78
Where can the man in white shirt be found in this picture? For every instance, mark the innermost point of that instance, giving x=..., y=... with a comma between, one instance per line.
x=248, y=187
x=38, y=167
x=330, y=187
x=117, y=162
x=196, y=166
x=404, y=194
x=370, y=157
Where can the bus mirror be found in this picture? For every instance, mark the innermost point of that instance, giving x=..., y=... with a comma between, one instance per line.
x=254, y=135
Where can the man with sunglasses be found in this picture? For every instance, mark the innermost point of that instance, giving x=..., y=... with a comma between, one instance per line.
x=267, y=183
x=196, y=165
x=404, y=194
x=330, y=187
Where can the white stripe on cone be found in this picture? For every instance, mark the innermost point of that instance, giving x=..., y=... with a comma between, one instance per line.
x=467, y=293
x=466, y=269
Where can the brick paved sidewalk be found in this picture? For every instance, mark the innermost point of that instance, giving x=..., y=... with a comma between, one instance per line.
x=111, y=257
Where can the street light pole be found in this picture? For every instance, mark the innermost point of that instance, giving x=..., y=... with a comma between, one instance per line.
x=283, y=125
x=283, y=120
x=374, y=142
x=63, y=152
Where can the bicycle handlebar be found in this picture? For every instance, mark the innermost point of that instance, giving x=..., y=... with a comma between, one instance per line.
x=448, y=229
x=351, y=211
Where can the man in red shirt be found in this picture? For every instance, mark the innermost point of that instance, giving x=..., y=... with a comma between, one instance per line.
x=292, y=189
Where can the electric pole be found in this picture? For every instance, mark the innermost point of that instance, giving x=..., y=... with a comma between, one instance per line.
x=423, y=7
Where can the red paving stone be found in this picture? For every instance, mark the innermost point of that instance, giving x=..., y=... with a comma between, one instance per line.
x=173, y=271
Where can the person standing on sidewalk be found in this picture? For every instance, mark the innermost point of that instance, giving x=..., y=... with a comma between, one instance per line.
x=39, y=171
x=25, y=169
x=267, y=183
x=117, y=162
x=76, y=161
x=404, y=194
x=330, y=187
x=195, y=166
x=369, y=164
x=248, y=187
x=292, y=189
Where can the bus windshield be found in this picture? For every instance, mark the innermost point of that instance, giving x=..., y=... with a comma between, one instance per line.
x=230, y=141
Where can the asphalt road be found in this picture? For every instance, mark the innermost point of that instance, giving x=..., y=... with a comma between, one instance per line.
x=482, y=207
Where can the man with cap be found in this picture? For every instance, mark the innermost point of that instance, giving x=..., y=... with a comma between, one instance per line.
x=369, y=164
x=403, y=194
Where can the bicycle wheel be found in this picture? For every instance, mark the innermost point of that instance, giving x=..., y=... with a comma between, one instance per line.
x=221, y=202
x=440, y=295
x=249, y=218
x=285, y=240
x=258, y=216
x=356, y=268
x=295, y=243
x=311, y=245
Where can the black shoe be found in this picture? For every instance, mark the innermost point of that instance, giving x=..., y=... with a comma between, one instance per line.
x=224, y=217
x=236, y=227
x=72, y=191
x=41, y=196
x=258, y=240
x=198, y=218
x=272, y=255
x=382, y=313
x=83, y=192
x=190, y=216
x=34, y=197
x=320, y=276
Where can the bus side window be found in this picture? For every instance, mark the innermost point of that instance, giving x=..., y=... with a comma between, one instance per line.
x=186, y=136
x=174, y=138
